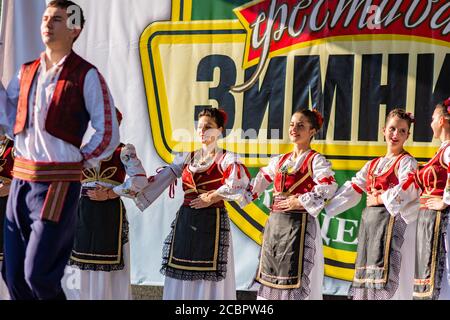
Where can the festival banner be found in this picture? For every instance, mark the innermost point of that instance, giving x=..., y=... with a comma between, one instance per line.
x=261, y=60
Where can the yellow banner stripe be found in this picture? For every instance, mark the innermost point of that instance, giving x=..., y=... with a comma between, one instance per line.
x=339, y=273
x=244, y=225
x=339, y=255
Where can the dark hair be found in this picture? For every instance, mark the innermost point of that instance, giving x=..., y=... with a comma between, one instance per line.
x=314, y=117
x=402, y=114
x=220, y=117
x=444, y=108
x=64, y=4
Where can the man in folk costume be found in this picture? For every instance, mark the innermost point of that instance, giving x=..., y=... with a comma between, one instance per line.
x=52, y=101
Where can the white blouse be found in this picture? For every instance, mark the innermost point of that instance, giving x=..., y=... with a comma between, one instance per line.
x=323, y=176
x=235, y=187
x=395, y=199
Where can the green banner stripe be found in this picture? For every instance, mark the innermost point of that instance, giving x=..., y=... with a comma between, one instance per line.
x=215, y=9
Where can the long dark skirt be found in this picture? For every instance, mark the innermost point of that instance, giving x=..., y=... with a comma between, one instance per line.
x=101, y=232
x=430, y=253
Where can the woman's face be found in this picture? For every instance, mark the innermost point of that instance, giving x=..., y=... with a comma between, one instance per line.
x=208, y=130
x=436, y=123
x=300, y=129
x=396, y=132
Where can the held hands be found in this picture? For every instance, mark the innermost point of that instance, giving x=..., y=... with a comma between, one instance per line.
x=374, y=198
x=205, y=200
x=101, y=193
x=4, y=189
x=291, y=203
x=436, y=204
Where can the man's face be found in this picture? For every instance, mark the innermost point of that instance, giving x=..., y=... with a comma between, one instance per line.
x=54, y=30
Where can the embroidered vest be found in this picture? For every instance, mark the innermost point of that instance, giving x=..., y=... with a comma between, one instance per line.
x=432, y=177
x=6, y=160
x=110, y=170
x=297, y=183
x=386, y=180
x=201, y=182
x=67, y=117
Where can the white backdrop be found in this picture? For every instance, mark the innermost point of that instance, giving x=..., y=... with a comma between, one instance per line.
x=110, y=41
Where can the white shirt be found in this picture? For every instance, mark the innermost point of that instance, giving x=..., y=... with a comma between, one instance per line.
x=36, y=144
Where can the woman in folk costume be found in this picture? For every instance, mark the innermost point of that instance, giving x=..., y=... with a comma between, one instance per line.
x=198, y=253
x=291, y=262
x=100, y=260
x=385, y=256
x=432, y=273
x=6, y=165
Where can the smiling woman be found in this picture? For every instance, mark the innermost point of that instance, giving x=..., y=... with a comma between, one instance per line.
x=384, y=271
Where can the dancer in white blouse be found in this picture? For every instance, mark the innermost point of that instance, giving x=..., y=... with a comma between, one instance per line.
x=385, y=255
x=198, y=253
x=291, y=263
x=432, y=272
x=100, y=259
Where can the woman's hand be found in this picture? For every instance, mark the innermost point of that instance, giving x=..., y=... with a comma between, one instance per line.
x=374, y=199
x=205, y=200
x=436, y=204
x=101, y=193
x=4, y=189
x=292, y=203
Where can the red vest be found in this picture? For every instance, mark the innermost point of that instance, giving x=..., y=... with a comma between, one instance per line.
x=196, y=183
x=432, y=177
x=6, y=160
x=296, y=183
x=67, y=117
x=110, y=170
x=386, y=180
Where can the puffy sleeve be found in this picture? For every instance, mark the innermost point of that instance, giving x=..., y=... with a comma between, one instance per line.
x=349, y=194
x=397, y=198
x=325, y=187
x=264, y=178
x=236, y=180
x=137, y=178
x=156, y=184
x=446, y=159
